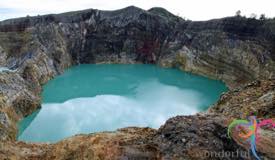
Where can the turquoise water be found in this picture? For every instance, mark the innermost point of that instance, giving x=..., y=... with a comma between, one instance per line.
x=93, y=98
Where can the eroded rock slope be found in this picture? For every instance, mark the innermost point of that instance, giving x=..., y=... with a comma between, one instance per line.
x=236, y=50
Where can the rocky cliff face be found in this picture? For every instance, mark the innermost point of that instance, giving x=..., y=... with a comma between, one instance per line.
x=236, y=50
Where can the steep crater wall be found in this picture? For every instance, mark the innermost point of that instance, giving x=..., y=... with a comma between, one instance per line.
x=236, y=50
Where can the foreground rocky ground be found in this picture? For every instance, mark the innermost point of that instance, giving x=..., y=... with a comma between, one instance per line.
x=237, y=50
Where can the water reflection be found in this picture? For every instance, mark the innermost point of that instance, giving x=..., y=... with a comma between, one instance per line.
x=96, y=98
x=26, y=122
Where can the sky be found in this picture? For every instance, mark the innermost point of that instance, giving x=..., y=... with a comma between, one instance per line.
x=190, y=9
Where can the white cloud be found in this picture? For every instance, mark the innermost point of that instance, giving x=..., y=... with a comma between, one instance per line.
x=191, y=9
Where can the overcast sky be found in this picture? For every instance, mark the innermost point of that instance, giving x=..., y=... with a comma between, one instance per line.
x=191, y=9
